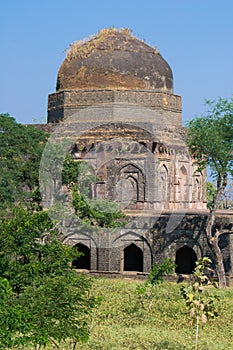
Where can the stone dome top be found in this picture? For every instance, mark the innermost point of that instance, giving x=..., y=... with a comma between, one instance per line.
x=114, y=59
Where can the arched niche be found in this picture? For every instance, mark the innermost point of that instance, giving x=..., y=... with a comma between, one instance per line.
x=84, y=261
x=185, y=260
x=197, y=188
x=163, y=184
x=121, y=182
x=136, y=179
x=183, y=184
x=133, y=258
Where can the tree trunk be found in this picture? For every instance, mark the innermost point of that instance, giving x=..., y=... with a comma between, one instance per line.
x=219, y=262
x=213, y=241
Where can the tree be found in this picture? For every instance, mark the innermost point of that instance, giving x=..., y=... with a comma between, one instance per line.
x=42, y=300
x=58, y=310
x=226, y=201
x=12, y=317
x=21, y=148
x=210, y=193
x=55, y=312
x=210, y=140
x=30, y=249
x=199, y=301
x=103, y=213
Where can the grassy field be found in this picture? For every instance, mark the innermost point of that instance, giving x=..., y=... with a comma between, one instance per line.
x=121, y=323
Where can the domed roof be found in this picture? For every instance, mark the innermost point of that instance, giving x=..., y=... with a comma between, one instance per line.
x=114, y=59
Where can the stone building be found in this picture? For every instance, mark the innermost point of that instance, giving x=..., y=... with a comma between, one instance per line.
x=116, y=104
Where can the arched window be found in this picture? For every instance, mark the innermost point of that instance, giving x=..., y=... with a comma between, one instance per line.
x=82, y=262
x=133, y=258
x=185, y=260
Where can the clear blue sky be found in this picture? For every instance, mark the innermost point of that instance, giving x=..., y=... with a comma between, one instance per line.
x=194, y=36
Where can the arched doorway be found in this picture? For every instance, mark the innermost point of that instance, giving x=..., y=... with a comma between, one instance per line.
x=133, y=258
x=82, y=262
x=185, y=260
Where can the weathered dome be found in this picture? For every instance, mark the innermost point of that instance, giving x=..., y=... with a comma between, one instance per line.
x=114, y=59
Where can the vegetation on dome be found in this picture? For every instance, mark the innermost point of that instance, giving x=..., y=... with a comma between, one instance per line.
x=85, y=47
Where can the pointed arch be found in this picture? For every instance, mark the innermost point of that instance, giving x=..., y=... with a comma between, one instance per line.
x=133, y=258
x=185, y=260
x=135, y=176
x=183, y=190
x=135, y=186
x=163, y=183
x=84, y=261
x=196, y=189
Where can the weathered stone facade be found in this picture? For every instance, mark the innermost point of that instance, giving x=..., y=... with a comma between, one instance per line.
x=116, y=105
x=63, y=104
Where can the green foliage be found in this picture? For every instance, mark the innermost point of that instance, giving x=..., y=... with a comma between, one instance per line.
x=21, y=148
x=96, y=212
x=196, y=295
x=41, y=299
x=58, y=310
x=13, y=323
x=147, y=292
x=158, y=271
x=210, y=194
x=226, y=199
x=76, y=174
x=200, y=302
x=30, y=249
x=210, y=138
x=103, y=213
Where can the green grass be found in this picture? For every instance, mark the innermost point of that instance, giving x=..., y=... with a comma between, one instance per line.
x=121, y=323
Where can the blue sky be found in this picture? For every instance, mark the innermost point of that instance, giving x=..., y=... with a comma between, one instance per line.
x=195, y=37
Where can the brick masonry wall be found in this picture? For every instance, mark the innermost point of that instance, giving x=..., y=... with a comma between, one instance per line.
x=65, y=103
x=148, y=232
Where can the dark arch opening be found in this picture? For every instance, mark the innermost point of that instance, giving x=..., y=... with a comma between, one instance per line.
x=133, y=258
x=82, y=262
x=185, y=260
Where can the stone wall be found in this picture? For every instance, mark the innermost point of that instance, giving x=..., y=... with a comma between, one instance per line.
x=136, y=136
x=150, y=232
x=65, y=103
